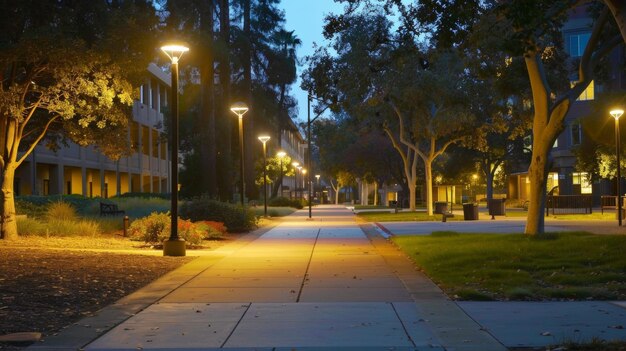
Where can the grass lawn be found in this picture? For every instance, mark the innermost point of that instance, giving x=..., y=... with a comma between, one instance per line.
x=515, y=267
x=403, y=217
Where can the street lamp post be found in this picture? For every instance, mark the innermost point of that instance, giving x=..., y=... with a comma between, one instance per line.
x=281, y=155
x=617, y=113
x=240, y=109
x=264, y=140
x=175, y=245
x=309, y=121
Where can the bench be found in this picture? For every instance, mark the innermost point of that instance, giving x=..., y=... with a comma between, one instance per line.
x=446, y=215
x=110, y=210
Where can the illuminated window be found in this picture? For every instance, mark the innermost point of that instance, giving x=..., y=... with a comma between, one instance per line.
x=553, y=181
x=582, y=179
x=578, y=43
x=556, y=143
x=577, y=133
x=588, y=94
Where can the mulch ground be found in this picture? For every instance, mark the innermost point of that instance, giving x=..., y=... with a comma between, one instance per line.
x=45, y=290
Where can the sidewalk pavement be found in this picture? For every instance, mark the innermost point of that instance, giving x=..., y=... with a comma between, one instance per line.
x=322, y=284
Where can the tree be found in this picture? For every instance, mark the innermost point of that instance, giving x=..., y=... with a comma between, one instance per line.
x=59, y=81
x=535, y=35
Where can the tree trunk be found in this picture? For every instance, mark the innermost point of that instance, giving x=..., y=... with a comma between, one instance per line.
x=618, y=10
x=250, y=120
x=375, y=193
x=208, y=147
x=8, y=224
x=225, y=118
x=537, y=174
x=489, y=175
x=428, y=179
x=337, y=195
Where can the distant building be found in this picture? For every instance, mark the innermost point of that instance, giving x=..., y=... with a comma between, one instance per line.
x=85, y=171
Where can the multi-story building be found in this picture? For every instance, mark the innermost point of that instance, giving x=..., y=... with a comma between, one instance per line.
x=294, y=145
x=563, y=177
x=85, y=171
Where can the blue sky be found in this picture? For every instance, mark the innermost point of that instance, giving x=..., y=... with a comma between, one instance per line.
x=306, y=17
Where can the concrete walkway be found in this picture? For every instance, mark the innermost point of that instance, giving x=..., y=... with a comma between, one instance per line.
x=305, y=284
x=323, y=284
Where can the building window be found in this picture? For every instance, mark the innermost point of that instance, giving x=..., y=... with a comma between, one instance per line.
x=577, y=133
x=552, y=182
x=582, y=179
x=588, y=94
x=578, y=43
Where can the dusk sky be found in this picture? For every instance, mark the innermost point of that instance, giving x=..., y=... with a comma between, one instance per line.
x=306, y=17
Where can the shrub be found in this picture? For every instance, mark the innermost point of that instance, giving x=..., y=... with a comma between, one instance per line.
x=155, y=228
x=205, y=209
x=217, y=226
x=210, y=232
x=146, y=195
x=57, y=227
x=30, y=209
x=286, y=202
x=60, y=211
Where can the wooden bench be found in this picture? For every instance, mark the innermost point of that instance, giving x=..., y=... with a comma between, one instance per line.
x=446, y=215
x=110, y=210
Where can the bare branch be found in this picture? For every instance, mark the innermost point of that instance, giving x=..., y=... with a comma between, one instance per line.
x=36, y=141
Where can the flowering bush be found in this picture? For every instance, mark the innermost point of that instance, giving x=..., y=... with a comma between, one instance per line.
x=155, y=229
x=214, y=230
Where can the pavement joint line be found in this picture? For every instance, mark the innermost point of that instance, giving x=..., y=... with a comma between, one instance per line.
x=406, y=330
x=251, y=237
x=306, y=272
x=236, y=325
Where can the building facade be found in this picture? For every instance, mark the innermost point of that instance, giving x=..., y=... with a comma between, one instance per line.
x=85, y=171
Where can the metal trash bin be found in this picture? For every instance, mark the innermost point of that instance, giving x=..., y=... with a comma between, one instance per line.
x=496, y=207
x=470, y=211
x=393, y=203
x=441, y=207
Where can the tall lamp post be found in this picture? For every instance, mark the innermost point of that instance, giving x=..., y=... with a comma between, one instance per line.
x=240, y=109
x=264, y=140
x=175, y=245
x=281, y=154
x=295, y=178
x=617, y=113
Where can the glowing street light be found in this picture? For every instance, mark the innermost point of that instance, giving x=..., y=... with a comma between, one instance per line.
x=264, y=139
x=175, y=245
x=240, y=109
x=617, y=113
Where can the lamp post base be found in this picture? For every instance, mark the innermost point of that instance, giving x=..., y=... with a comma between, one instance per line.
x=174, y=247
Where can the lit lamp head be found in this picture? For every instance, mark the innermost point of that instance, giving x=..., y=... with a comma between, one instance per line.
x=239, y=108
x=281, y=154
x=299, y=168
x=617, y=113
x=303, y=170
x=264, y=139
x=317, y=176
x=174, y=51
x=295, y=164
x=474, y=176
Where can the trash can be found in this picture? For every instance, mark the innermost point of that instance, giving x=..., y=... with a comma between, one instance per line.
x=393, y=203
x=441, y=207
x=470, y=211
x=496, y=207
